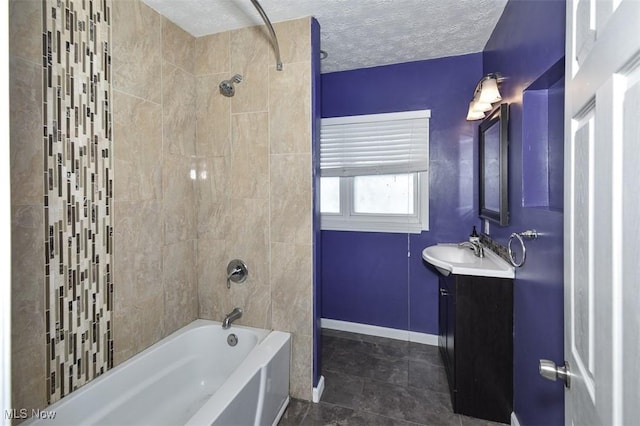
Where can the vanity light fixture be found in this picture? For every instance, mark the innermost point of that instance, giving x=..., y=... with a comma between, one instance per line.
x=485, y=94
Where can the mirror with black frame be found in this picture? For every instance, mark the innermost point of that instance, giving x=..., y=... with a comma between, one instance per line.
x=494, y=168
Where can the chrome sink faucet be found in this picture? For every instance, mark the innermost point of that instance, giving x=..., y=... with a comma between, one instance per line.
x=477, y=247
x=231, y=317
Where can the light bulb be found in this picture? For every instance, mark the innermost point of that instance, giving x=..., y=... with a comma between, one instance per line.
x=489, y=92
x=472, y=114
x=480, y=106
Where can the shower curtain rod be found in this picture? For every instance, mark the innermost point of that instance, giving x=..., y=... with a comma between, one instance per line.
x=274, y=39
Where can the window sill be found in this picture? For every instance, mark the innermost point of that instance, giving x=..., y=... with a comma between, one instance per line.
x=333, y=224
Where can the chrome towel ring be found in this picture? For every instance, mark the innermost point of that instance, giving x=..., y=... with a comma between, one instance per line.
x=530, y=234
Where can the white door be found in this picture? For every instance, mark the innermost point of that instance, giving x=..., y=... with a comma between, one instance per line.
x=602, y=212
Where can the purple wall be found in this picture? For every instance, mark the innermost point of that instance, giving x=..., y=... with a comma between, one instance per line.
x=526, y=43
x=367, y=277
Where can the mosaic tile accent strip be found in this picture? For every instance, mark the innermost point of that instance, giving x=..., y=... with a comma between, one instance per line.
x=495, y=247
x=78, y=183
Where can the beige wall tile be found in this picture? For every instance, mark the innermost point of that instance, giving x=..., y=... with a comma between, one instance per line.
x=212, y=272
x=249, y=237
x=249, y=241
x=137, y=251
x=291, y=198
x=290, y=109
x=301, y=370
x=138, y=290
x=28, y=377
x=25, y=30
x=27, y=279
x=252, y=94
x=250, y=47
x=137, y=141
x=178, y=46
x=250, y=155
x=212, y=54
x=178, y=111
x=27, y=149
x=291, y=294
x=255, y=301
x=212, y=198
x=28, y=337
x=213, y=112
x=213, y=218
x=252, y=298
x=178, y=198
x=215, y=300
x=137, y=325
x=294, y=39
x=251, y=56
x=180, y=285
x=136, y=49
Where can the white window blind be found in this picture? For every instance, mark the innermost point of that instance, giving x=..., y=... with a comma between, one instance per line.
x=375, y=144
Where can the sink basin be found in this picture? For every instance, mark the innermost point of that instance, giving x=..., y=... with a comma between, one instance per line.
x=451, y=259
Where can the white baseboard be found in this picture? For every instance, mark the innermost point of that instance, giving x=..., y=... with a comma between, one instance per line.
x=374, y=330
x=514, y=420
x=424, y=338
x=317, y=391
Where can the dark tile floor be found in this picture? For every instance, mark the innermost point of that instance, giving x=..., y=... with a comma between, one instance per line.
x=376, y=381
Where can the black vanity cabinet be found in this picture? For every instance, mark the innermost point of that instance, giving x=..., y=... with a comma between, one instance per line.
x=476, y=344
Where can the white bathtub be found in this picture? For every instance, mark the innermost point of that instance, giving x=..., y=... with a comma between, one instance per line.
x=192, y=377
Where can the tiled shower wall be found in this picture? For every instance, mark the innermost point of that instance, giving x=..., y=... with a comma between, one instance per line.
x=255, y=201
x=198, y=181
x=154, y=137
x=154, y=197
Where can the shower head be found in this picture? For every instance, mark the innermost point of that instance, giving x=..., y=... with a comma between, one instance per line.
x=226, y=87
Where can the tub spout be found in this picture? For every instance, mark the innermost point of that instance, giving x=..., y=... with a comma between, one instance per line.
x=234, y=315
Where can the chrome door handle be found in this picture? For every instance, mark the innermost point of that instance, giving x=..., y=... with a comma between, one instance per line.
x=550, y=371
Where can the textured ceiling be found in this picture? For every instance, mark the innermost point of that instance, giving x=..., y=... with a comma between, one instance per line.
x=356, y=33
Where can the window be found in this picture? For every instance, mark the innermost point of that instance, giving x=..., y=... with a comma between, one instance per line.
x=374, y=172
